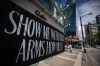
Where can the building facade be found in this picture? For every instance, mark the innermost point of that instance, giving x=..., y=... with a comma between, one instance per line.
x=98, y=22
x=90, y=31
x=70, y=11
x=30, y=31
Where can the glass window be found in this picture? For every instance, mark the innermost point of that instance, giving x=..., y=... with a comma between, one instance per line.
x=47, y=4
x=51, y=9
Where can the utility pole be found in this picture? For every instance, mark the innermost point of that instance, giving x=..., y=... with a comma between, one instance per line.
x=82, y=33
x=82, y=30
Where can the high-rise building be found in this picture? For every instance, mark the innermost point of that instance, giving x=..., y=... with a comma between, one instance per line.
x=90, y=31
x=70, y=25
x=98, y=21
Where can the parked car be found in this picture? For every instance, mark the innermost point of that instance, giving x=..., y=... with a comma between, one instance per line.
x=77, y=47
x=97, y=46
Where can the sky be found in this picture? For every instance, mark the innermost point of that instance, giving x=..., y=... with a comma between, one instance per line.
x=84, y=7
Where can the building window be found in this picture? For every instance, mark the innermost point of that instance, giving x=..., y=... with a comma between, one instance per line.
x=51, y=9
x=47, y=4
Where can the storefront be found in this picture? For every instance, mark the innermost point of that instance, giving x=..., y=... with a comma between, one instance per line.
x=72, y=40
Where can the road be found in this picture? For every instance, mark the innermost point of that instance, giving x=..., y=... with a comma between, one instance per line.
x=94, y=53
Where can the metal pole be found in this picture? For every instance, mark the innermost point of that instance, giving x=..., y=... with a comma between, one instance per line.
x=82, y=34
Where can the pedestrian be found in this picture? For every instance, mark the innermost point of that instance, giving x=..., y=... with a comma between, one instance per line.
x=70, y=48
x=85, y=49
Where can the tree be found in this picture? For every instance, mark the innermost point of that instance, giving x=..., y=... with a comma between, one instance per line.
x=97, y=38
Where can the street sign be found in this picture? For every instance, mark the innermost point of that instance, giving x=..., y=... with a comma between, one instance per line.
x=94, y=25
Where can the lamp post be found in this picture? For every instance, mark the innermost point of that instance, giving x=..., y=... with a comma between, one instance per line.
x=82, y=30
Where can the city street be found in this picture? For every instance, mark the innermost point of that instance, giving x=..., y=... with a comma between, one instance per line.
x=50, y=32
x=94, y=55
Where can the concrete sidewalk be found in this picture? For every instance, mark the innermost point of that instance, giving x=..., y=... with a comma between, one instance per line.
x=86, y=60
x=63, y=59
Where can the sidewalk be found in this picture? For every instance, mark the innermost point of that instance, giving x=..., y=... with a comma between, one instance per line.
x=63, y=59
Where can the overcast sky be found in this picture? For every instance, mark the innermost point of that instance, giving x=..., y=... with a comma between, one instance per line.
x=84, y=7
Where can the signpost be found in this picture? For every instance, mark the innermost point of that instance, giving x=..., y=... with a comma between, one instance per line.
x=26, y=39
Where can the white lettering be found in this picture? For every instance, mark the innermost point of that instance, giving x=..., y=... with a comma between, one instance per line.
x=13, y=22
x=38, y=29
x=46, y=32
x=53, y=36
x=20, y=24
x=30, y=51
x=30, y=34
x=23, y=51
x=48, y=48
